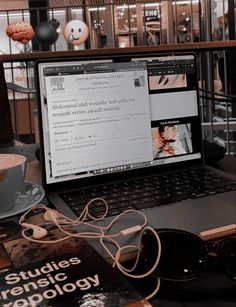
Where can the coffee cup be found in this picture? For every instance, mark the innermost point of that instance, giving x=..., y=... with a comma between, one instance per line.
x=12, y=176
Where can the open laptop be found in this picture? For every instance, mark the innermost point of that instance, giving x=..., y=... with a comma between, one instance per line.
x=118, y=122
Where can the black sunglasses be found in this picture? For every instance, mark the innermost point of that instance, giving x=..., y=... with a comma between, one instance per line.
x=183, y=254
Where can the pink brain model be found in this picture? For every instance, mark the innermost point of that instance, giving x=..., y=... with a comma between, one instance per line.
x=20, y=31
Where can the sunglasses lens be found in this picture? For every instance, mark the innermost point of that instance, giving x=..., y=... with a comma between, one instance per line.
x=228, y=256
x=182, y=254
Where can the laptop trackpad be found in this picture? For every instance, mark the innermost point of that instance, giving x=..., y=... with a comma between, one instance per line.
x=194, y=216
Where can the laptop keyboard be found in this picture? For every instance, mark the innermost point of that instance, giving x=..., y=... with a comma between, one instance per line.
x=149, y=192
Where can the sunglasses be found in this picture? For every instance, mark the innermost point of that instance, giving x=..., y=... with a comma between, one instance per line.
x=184, y=255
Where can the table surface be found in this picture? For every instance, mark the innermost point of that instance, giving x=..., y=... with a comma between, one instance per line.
x=227, y=164
x=210, y=289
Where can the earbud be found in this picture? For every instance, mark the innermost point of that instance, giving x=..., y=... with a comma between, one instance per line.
x=54, y=217
x=38, y=232
x=51, y=216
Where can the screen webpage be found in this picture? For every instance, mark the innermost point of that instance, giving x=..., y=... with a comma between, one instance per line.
x=106, y=117
x=174, y=109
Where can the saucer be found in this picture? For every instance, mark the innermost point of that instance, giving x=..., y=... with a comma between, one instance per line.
x=33, y=194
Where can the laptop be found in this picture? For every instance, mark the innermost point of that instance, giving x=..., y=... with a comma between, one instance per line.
x=124, y=123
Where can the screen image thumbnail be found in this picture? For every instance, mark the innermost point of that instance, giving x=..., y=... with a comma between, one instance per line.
x=171, y=140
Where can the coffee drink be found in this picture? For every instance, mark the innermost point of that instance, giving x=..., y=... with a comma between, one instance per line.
x=12, y=175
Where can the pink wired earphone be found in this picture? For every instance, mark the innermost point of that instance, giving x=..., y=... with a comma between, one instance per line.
x=52, y=218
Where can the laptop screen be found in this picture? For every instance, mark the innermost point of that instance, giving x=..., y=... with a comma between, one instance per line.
x=106, y=116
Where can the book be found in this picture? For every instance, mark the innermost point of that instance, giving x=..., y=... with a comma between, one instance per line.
x=68, y=273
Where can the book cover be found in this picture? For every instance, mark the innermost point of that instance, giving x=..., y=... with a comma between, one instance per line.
x=69, y=273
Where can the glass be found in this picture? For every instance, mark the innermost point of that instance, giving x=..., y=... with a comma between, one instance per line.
x=187, y=21
x=152, y=23
x=125, y=17
x=184, y=254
